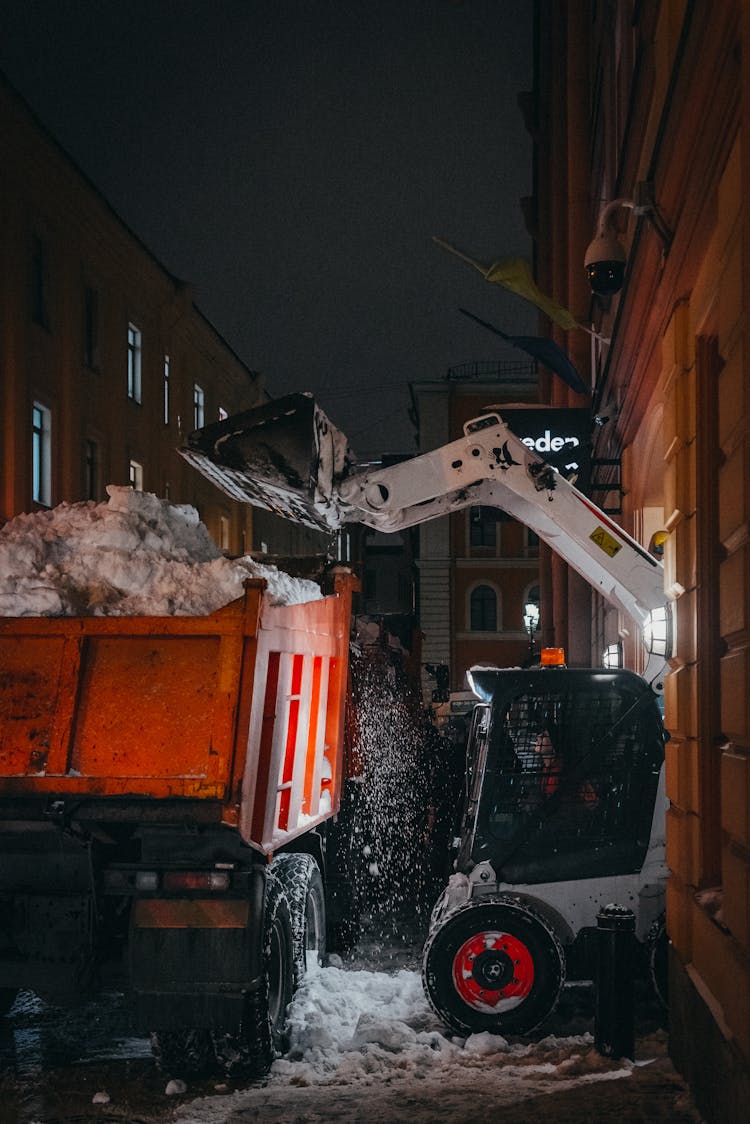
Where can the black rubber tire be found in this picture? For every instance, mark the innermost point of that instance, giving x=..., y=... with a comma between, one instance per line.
x=300, y=876
x=183, y=1053
x=494, y=937
x=262, y=1035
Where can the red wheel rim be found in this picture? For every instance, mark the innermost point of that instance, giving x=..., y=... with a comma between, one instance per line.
x=493, y=971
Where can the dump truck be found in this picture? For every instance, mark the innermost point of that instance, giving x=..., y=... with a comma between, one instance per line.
x=564, y=805
x=168, y=792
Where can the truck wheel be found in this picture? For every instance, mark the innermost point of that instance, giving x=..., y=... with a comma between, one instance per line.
x=262, y=1033
x=300, y=876
x=493, y=966
x=183, y=1053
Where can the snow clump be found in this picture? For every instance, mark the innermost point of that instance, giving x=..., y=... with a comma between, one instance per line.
x=135, y=555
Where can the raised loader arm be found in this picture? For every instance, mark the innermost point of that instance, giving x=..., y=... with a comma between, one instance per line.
x=489, y=466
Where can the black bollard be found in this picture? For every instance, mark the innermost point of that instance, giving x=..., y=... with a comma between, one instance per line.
x=614, y=1020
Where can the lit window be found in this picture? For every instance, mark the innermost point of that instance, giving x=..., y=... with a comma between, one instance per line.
x=483, y=609
x=343, y=546
x=166, y=390
x=223, y=532
x=223, y=415
x=135, y=474
x=41, y=452
x=199, y=402
x=134, y=363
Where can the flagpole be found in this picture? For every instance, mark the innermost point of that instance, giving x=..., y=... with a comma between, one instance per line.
x=464, y=257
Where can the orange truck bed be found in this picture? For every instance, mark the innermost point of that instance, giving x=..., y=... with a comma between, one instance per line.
x=244, y=707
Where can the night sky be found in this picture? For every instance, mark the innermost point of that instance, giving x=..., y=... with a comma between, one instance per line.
x=292, y=159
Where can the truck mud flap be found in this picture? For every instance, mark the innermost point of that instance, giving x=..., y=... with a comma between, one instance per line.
x=285, y=456
x=191, y=961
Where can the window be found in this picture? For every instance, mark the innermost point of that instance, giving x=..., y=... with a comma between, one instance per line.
x=343, y=546
x=134, y=363
x=583, y=766
x=90, y=470
x=223, y=415
x=482, y=527
x=135, y=475
x=199, y=406
x=483, y=609
x=39, y=311
x=532, y=543
x=166, y=390
x=223, y=532
x=41, y=454
x=90, y=327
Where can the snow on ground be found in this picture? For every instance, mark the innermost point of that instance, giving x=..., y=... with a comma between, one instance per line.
x=365, y=1045
x=135, y=555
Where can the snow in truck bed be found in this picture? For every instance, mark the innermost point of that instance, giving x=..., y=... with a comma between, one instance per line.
x=135, y=555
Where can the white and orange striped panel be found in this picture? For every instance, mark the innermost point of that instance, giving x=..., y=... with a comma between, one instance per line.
x=292, y=777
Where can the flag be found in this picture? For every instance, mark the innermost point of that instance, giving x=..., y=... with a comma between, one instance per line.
x=515, y=274
x=546, y=351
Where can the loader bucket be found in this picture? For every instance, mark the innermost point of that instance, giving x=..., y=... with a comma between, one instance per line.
x=285, y=456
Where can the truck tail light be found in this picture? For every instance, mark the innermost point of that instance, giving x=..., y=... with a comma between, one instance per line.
x=196, y=880
x=146, y=880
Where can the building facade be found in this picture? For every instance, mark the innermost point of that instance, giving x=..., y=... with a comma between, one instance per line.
x=106, y=363
x=641, y=118
x=477, y=568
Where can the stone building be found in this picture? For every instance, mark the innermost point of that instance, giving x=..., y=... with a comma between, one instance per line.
x=477, y=568
x=641, y=121
x=106, y=362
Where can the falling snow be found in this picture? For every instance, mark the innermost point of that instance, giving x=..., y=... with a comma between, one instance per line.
x=389, y=840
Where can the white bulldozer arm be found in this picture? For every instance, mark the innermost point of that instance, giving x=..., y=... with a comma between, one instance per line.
x=489, y=466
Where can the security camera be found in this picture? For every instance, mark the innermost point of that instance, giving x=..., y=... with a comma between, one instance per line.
x=605, y=264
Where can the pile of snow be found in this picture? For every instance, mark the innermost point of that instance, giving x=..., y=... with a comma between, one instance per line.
x=365, y=1045
x=135, y=555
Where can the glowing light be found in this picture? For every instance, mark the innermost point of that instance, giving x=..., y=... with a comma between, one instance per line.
x=658, y=633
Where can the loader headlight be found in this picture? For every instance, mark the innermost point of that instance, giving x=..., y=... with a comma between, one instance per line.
x=658, y=632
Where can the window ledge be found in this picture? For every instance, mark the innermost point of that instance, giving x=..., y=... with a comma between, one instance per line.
x=711, y=901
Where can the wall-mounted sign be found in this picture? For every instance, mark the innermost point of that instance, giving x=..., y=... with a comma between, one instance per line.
x=560, y=436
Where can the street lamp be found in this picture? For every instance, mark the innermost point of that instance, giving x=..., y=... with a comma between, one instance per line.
x=531, y=623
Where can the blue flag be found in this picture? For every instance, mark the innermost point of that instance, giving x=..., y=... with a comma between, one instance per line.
x=545, y=351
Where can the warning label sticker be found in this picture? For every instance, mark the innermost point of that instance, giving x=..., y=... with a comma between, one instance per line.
x=606, y=542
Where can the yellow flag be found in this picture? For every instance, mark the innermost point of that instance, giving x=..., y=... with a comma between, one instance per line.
x=515, y=274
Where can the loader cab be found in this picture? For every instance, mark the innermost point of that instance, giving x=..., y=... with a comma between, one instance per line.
x=562, y=773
